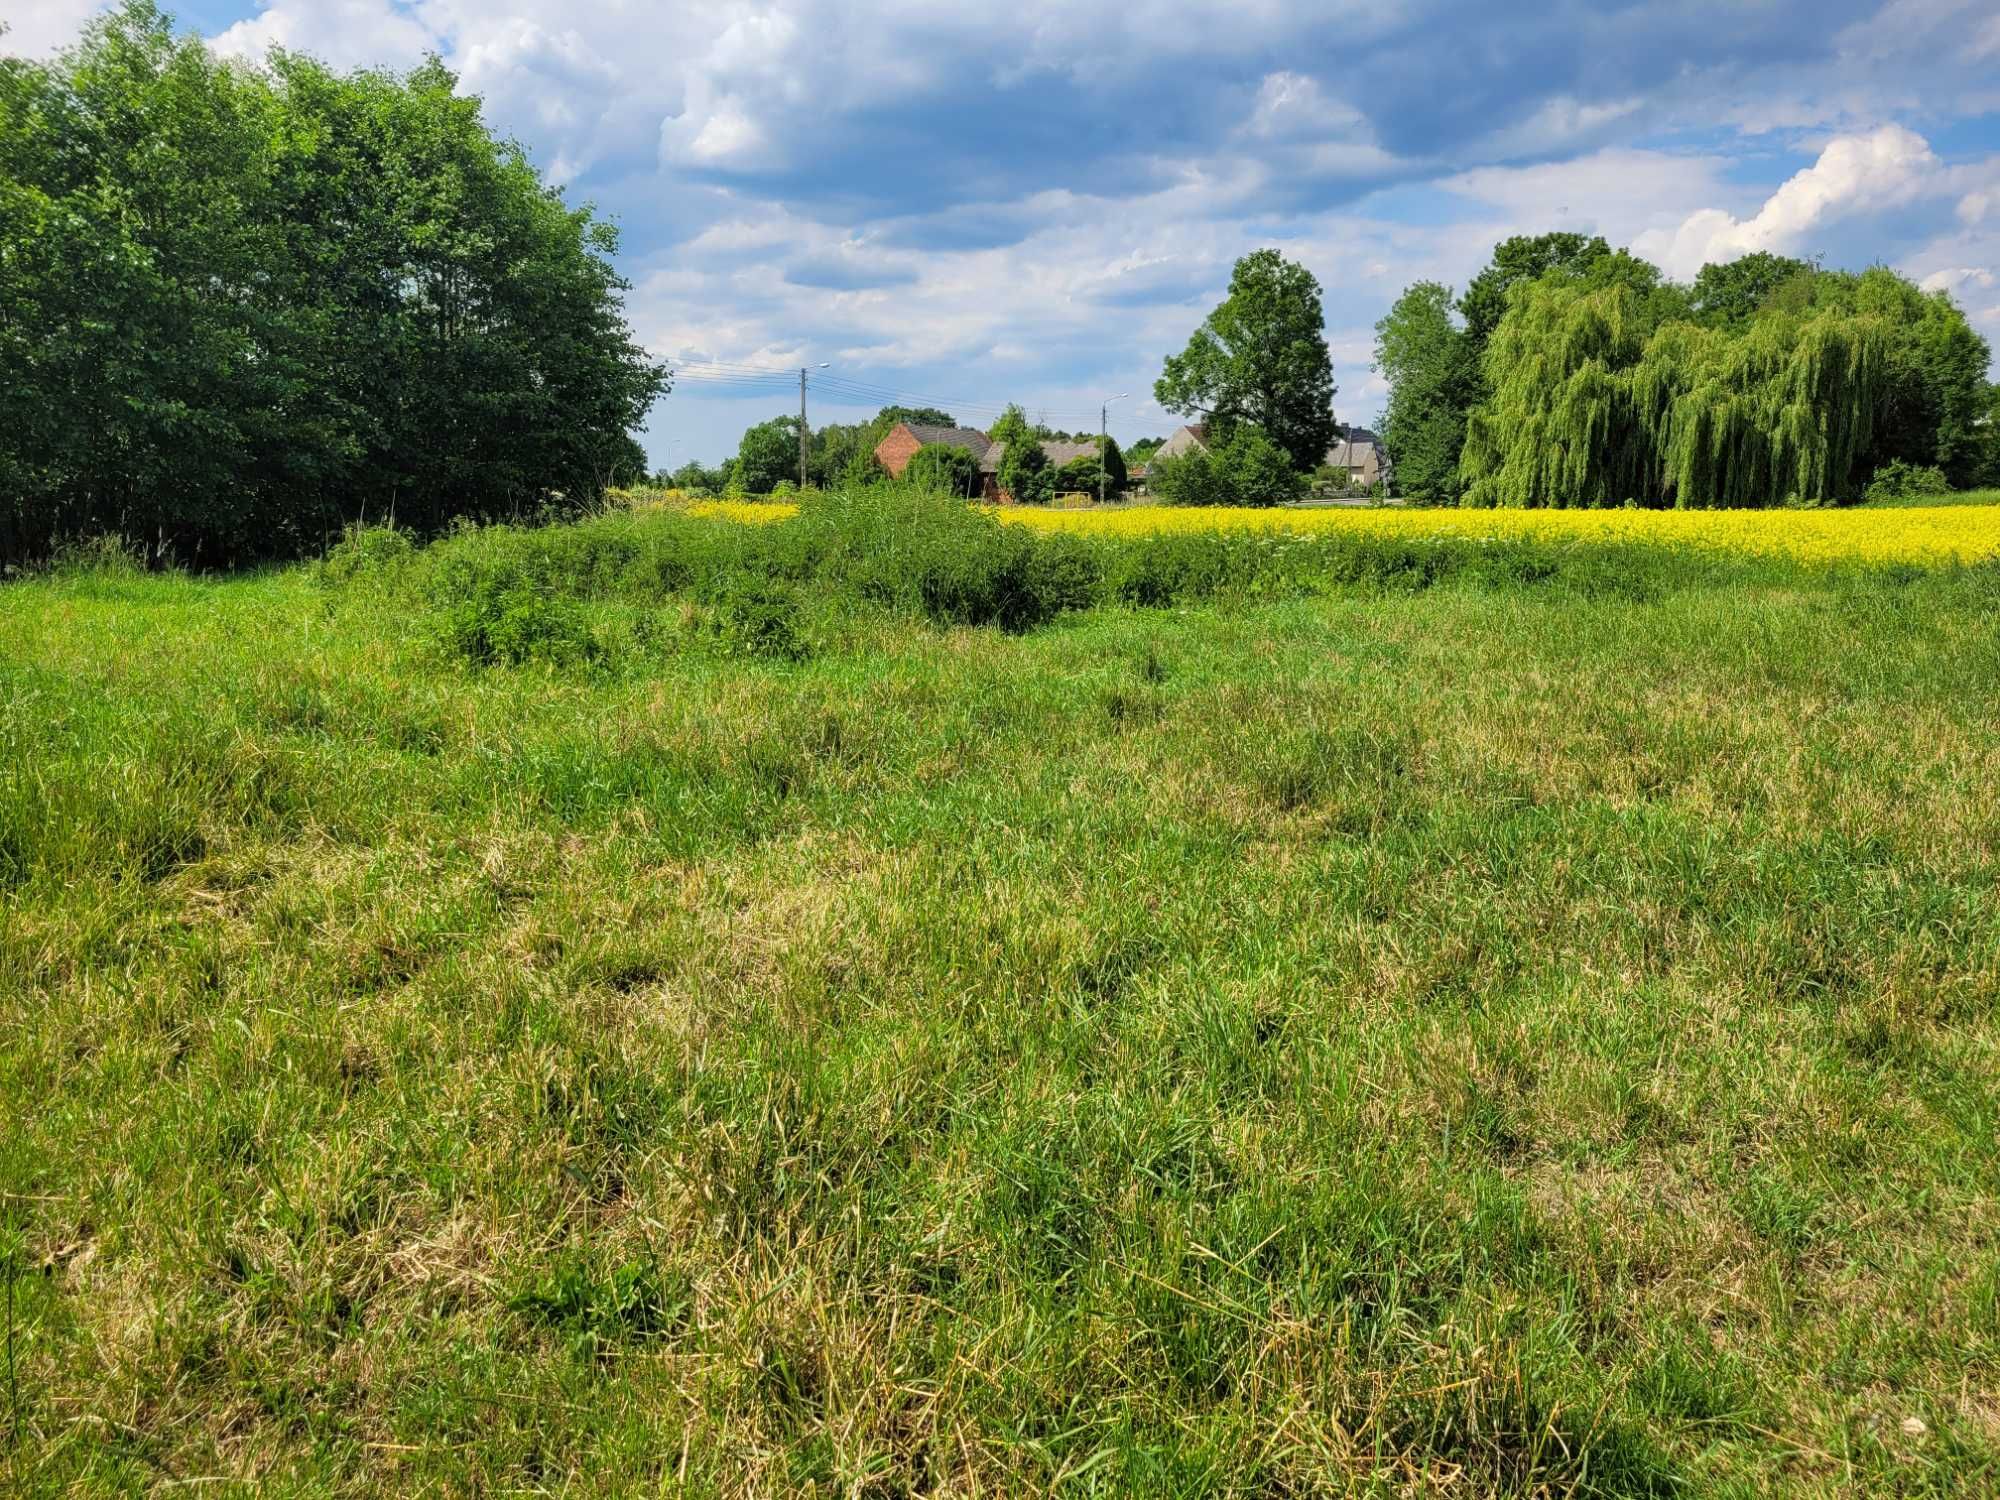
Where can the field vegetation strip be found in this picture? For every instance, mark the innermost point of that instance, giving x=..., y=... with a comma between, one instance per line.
x=1956, y=533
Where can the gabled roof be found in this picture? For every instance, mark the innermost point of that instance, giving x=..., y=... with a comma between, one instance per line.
x=1058, y=453
x=1352, y=451
x=971, y=439
x=1061, y=453
x=1184, y=440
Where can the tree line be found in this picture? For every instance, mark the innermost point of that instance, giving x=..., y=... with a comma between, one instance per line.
x=841, y=455
x=1572, y=373
x=243, y=306
x=1257, y=375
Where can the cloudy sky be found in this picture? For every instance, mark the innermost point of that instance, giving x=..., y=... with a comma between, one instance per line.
x=1039, y=201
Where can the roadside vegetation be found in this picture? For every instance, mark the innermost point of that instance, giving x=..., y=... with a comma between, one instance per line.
x=892, y=1003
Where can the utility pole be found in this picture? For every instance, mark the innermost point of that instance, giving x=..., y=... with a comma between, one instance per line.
x=802, y=422
x=1104, y=440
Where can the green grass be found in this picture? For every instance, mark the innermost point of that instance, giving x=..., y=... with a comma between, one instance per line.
x=1956, y=497
x=1522, y=1034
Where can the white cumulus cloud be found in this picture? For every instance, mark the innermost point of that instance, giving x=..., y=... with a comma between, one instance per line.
x=1864, y=173
x=345, y=33
x=36, y=28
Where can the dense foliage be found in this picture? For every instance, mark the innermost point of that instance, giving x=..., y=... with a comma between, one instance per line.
x=1248, y=469
x=1086, y=475
x=768, y=455
x=1261, y=358
x=946, y=467
x=1575, y=374
x=242, y=307
x=1433, y=372
x=1590, y=406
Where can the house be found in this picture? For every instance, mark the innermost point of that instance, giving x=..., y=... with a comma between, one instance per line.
x=904, y=440
x=1361, y=456
x=897, y=449
x=1185, y=441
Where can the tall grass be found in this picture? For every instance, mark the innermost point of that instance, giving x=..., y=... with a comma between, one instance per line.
x=1442, y=1020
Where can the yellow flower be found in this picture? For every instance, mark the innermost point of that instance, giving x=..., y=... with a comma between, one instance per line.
x=1917, y=534
x=754, y=513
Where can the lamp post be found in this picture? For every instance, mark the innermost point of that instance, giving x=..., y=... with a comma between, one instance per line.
x=1104, y=438
x=802, y=420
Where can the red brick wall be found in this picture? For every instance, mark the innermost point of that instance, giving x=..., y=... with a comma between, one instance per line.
x=897, y=449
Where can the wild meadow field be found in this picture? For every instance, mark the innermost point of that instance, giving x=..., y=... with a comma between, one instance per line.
x=889, y=1003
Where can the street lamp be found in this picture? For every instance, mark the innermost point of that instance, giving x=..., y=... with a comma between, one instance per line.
x=1104, y=438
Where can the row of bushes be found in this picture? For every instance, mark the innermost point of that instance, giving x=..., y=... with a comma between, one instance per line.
x=1248, y=469
x=514, y=594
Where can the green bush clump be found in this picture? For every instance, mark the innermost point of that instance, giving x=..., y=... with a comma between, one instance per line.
x=592, y=592
x=920, y=554
x=367, y=552
x=1249, y=469
x=759, y=618
x=1897, y=480
x=515, y=624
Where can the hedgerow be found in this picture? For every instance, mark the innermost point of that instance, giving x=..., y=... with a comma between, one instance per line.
x=592, y=593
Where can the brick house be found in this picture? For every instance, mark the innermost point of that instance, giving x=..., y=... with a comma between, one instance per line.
x=897, y=449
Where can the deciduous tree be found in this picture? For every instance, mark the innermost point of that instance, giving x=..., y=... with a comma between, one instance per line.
x=244, y=306
x=1432, y=366
x=1261, y=358
x=768, y=453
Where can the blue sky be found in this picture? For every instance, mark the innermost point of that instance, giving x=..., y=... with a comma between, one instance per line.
x=1038, y=202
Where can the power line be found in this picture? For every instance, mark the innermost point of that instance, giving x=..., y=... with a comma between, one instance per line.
x=749, y=378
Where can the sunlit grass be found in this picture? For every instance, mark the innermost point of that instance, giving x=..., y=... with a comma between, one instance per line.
x=1482, y=1040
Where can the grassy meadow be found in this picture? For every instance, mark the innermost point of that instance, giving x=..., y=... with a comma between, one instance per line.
x=909, y=1006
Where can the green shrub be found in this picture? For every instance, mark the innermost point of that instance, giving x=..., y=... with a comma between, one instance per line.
x=367, y=552
x=1192, y=478
x=1249, y=469
x=943, y=466
x=1024, y=472
x=516, y=624
x=759, y=618
x=923, y=554
x=1897, y=480
x=1260, y=472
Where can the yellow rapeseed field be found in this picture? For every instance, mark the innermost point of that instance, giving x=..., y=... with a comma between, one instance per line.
x=1920, y=534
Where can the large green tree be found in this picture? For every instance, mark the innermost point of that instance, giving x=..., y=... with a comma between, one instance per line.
x=1730, y=293
x=243, y=306
x=1261, y=358
x=1937, y=386
x=768, y=455
x=1432, y=366
x=1594, y=403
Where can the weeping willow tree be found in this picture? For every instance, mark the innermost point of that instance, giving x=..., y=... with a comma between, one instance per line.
x=1590, y=406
